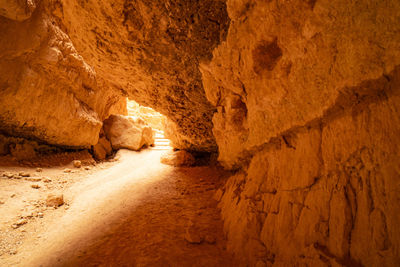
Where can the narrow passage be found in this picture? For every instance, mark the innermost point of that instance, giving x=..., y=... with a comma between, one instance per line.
x=138, y=212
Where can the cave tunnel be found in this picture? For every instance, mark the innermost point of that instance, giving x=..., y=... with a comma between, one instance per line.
x=199, y=133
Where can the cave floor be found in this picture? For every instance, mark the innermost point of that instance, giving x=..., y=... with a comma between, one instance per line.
x=132, y=211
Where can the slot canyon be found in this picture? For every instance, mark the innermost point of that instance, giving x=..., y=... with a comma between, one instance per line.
x=263, y=133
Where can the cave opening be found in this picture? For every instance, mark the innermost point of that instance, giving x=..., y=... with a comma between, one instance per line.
x=152, y=118
x=283, y=120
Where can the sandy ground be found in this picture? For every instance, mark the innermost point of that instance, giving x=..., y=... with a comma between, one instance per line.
x=133, y=211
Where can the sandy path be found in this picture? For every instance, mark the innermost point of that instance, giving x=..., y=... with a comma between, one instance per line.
x=134, y=213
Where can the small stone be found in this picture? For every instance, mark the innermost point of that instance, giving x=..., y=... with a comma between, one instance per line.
x=77, y=163
x=19, y=223
x=54, y=200
x=35, y=186
x=87, y=168
x=192, y=236
x=28, y=215
x=33, y=179
x=13, y=195
x=210, y=239
x=8, y=175
x=24, y=174
x=39, y=169
x=40, y=214
x=46, y=180
x=67, y=170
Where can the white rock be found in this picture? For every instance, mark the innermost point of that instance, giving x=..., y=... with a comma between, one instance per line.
x=128, y=132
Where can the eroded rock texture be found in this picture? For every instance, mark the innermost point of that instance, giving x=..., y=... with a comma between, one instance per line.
x=307, y=94
x=47, y=90
x=151, y=51
x=128, y=132
x=71, y=61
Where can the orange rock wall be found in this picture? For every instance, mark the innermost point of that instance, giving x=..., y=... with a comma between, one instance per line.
x=65, y=65
x=150, y=50
x=307, y=97
x=47, y=89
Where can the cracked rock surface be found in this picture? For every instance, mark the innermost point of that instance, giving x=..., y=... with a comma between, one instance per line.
x=71, y=63
x=307, y=98
x=300, y=98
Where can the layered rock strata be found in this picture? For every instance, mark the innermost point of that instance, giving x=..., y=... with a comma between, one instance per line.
x=307, y=94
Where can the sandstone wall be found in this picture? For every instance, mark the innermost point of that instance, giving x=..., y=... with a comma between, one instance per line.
x=307, y=94
x=71, y=61
x=47, y=90
x=151, y=51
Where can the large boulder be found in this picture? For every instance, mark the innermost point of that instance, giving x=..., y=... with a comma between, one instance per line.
x=178, y=158
x=102, y=149
x=128, y=132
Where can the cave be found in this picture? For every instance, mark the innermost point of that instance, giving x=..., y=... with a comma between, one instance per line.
x=278, y=145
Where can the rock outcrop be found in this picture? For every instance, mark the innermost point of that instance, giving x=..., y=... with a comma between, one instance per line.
x=65, y=64
x=18, y=10
x=128, y=132
x=102, y=149
x=151, y=50
x=47, y=90
x=307, y=94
